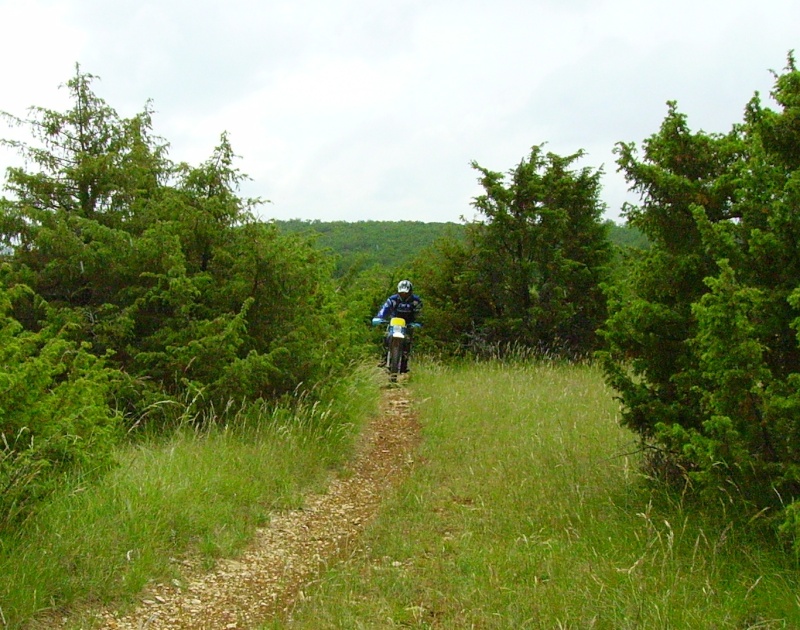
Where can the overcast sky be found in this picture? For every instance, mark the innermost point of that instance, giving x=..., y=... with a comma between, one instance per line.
x=367, y=109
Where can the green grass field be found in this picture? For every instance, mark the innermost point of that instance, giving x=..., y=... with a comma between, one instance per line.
x=199, y=493
x=526, y=509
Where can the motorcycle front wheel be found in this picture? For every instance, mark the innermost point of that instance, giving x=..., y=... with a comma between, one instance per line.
x=394, y=356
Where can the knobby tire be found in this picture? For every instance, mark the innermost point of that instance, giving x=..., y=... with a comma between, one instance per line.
x=394, y=357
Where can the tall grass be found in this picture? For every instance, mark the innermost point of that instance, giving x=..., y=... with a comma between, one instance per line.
x=526, y=510
x=198, y=494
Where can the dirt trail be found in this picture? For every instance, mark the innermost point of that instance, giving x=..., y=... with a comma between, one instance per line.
x=268, y=579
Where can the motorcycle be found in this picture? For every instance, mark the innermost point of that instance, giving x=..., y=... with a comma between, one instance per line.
x=398, y=344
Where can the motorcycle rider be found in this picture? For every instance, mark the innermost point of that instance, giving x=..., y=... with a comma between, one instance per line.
x=406, y=304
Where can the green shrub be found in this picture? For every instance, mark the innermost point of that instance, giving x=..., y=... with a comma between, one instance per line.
x=54, y=413
x=703, y=345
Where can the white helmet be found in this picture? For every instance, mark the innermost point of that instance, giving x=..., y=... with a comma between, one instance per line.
x=404, y=286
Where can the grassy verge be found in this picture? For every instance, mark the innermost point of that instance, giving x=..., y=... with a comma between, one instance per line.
x=526, y=510
x=197, y=494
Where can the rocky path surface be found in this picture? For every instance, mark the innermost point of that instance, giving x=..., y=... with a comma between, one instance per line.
x=285, y=556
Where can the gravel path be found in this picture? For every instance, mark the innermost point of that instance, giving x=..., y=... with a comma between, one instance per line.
x=268, y=579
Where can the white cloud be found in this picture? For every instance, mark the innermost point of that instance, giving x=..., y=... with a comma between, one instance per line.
x=38, y=51
x=356, y=109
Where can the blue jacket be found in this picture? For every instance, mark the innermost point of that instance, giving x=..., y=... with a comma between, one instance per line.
x=395, y=306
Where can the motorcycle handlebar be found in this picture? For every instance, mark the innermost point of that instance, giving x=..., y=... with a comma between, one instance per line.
x=376, y=321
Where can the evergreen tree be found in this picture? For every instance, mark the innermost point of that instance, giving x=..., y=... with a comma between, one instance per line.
x=162, y=268
x=705, y=352
x=530, y=273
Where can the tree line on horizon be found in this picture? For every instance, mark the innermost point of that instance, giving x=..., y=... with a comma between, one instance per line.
x=360, y=245
x=136, y=292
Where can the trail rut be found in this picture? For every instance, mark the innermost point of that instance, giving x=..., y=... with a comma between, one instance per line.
x=268, y=579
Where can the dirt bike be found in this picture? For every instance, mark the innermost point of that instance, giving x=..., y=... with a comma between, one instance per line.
x=398, y=344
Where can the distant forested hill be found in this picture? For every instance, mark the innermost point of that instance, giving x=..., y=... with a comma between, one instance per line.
x=627, y=236
x=362, y=244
